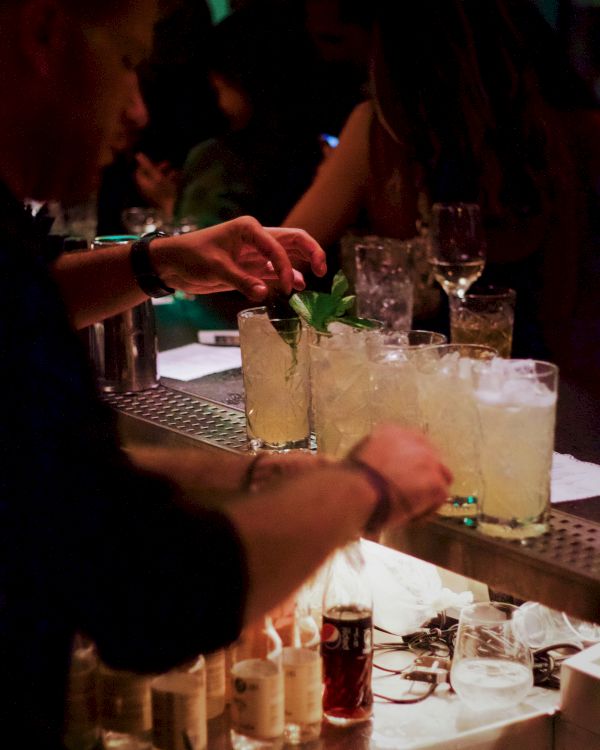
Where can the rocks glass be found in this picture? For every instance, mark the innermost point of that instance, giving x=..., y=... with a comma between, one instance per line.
x=276, y=383
x=486, y=317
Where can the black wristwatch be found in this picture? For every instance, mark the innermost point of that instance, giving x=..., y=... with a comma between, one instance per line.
x=145, y=275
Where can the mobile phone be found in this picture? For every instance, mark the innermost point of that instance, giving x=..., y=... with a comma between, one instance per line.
x=330, y=140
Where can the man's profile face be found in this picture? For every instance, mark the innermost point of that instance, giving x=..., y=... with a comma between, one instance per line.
x=98, y=76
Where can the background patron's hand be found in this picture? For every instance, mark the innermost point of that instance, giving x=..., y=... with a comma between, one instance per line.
x=239, y=254
x=419, y=480
x=158, y=183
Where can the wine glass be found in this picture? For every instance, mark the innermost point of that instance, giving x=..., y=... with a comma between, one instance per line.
x=457, y=246
x=492, y=667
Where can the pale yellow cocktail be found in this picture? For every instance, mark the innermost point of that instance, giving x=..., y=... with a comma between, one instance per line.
x=276, y=383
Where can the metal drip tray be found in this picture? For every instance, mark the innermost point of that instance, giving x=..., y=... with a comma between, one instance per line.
x=149, y=416
x=560, y=569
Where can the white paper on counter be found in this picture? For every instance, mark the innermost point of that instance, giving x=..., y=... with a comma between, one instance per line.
x=573, y=479
x=196, y=360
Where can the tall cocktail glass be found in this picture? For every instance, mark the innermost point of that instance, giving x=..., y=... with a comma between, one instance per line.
x=394, y=376
x=449, y=413
x=384, y=288
x=516, y=403
x=339, y=374
x=276, y=382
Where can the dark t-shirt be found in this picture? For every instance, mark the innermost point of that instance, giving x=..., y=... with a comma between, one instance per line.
x=87, y=543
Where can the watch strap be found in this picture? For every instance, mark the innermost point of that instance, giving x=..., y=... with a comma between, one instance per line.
x=146, y=277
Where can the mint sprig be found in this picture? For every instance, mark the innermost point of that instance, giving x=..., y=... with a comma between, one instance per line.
x=319, y=309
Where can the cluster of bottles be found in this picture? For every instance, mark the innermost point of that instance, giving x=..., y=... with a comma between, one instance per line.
x=283, y=680
x=128, y=711
x=293, y=677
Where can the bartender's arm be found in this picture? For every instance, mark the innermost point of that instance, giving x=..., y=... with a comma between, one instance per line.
x=239, y=254
x=290, y=529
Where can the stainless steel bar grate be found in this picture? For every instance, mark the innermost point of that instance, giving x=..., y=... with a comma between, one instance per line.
x=186, y=415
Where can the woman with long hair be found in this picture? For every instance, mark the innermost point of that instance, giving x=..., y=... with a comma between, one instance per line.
x=471, y=102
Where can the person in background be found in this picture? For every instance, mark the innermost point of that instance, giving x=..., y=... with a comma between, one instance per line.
x=130, y=555
x=472, y=102
x=267, y=157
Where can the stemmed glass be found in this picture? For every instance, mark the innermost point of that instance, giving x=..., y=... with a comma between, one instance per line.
x=457, y=246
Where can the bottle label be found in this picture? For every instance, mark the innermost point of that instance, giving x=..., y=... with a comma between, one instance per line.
x=257, y=706
x=303, y=686
x=215, y=674
x=178, y=710
x=353, y=635
x=125, y=703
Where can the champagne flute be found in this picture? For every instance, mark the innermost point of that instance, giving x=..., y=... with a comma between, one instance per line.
x=457, y=246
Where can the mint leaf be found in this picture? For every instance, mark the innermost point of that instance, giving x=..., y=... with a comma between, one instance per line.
x=344, y=305
x=340, y=285
x=318, y=309
x=350, y=320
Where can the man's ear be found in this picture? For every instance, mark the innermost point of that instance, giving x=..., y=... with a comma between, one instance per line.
x=42, y=34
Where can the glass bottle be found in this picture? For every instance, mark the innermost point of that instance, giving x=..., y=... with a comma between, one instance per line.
x=347, y=639
x=125, y=709
x=82, y=730
x=257, y=704
x=215, y=683
x=179, y=708
x=303, y=676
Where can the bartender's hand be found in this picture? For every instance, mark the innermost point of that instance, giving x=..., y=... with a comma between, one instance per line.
x=239, y=254
x=412, y=467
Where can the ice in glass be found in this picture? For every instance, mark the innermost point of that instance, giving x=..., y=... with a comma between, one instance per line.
x=275, y=372
x=339, y=372
x=516, y=402
x=450, y=418
x=394, y=376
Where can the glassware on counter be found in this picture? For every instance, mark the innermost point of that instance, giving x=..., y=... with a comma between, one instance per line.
x=339, y=374
x=486, y=317
x=516, y=403
x=276, y=381
x=492, y=668
x=450, y=418
x=457, y=246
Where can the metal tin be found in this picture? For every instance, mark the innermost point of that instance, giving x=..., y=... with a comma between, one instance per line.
x=123, y=348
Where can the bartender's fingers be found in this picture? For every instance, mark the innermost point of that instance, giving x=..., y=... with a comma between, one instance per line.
x=302, y=247
x=252, y=233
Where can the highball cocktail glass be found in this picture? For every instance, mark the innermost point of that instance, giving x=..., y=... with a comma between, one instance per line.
x=516, y=403
x=339, y=374
x=449, y=413
x=394, y=376
x=276, y=382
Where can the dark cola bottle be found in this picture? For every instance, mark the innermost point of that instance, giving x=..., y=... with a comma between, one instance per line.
x=347, y=639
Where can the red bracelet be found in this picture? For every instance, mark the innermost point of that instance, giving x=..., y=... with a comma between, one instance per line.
x=383, y=506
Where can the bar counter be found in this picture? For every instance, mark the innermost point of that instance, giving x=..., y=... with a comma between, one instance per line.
x=560, y=569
